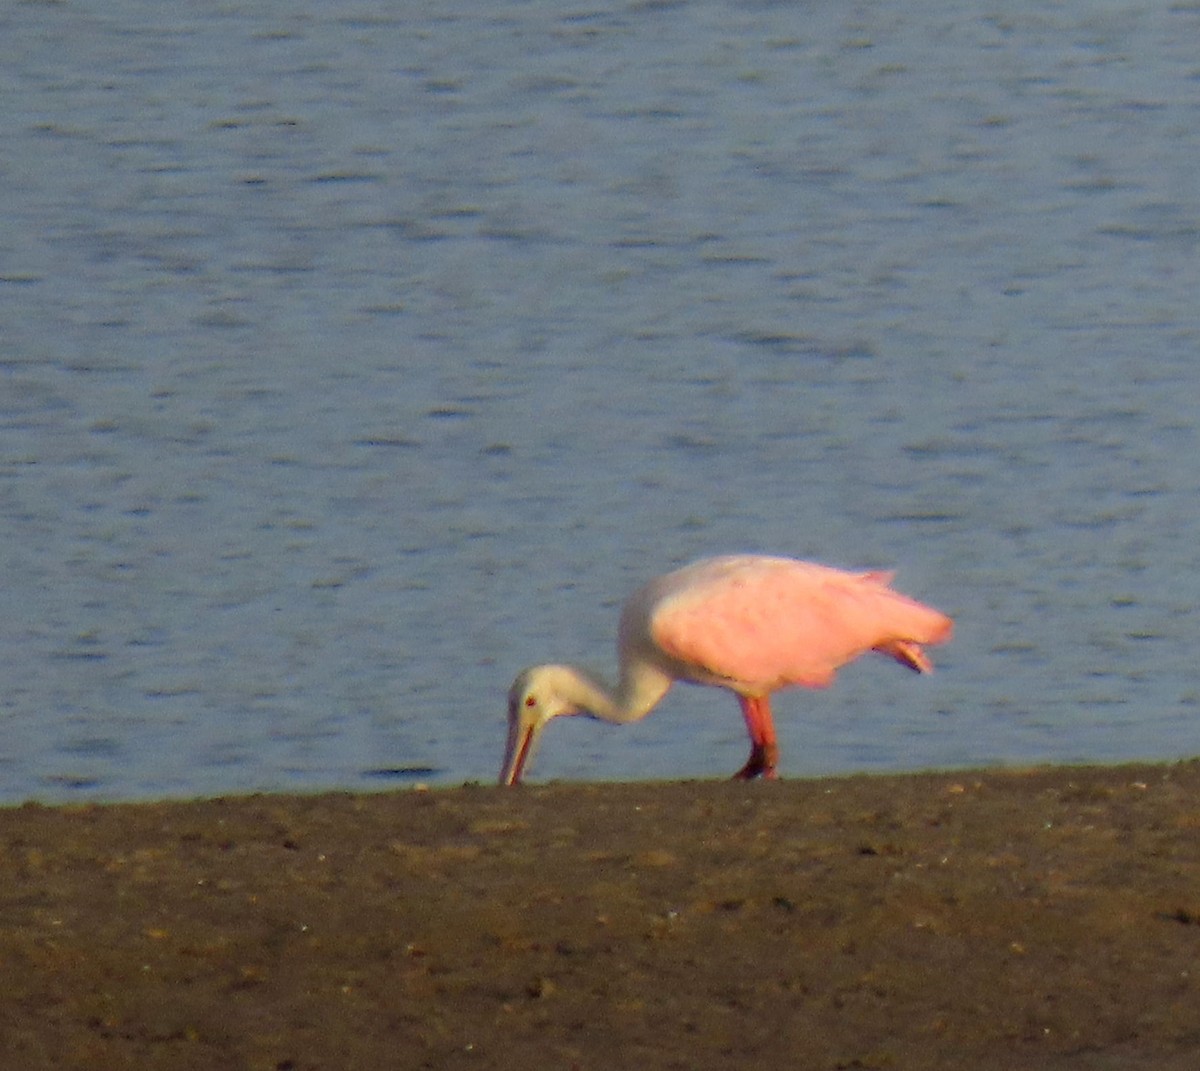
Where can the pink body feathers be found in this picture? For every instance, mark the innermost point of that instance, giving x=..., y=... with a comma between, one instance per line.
x=755, y=624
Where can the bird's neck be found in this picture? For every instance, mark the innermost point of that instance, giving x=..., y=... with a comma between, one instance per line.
x=639, y=690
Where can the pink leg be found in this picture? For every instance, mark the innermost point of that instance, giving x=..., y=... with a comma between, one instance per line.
x=764, y=751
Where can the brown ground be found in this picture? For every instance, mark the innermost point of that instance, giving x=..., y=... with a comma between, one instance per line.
x=982, y=920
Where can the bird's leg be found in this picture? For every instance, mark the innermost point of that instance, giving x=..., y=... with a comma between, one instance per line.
x=764, y=751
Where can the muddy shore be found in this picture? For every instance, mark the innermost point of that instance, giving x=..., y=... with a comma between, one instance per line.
x=978, y=919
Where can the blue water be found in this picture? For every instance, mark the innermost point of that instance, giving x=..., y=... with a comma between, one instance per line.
x=354, y=355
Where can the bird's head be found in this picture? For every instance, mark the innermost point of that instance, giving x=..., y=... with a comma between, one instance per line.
x=537, y=695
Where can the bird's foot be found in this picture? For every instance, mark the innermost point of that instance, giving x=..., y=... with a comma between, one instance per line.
x=760, y=764
x=751, y=771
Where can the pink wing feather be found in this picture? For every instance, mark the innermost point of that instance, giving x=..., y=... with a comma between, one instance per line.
x=757, y=624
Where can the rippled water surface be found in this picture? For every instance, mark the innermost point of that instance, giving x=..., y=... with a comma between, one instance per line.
x=354, y=355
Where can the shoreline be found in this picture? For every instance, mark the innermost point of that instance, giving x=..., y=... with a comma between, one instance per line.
x=979, y=917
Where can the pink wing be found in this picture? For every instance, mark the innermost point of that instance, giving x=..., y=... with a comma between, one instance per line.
x=760, y=623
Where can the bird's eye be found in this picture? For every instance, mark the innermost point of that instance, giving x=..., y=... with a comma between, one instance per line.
x=530, y=701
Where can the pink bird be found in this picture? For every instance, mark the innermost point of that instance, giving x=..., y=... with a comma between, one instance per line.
x=748, y=623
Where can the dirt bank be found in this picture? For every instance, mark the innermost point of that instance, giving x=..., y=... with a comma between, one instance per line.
x=979, y=919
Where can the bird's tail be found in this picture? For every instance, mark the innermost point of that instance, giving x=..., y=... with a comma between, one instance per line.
x=916, y=626
x=908, y=654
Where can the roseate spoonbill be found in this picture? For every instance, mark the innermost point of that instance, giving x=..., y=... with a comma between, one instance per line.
x=748, y=623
